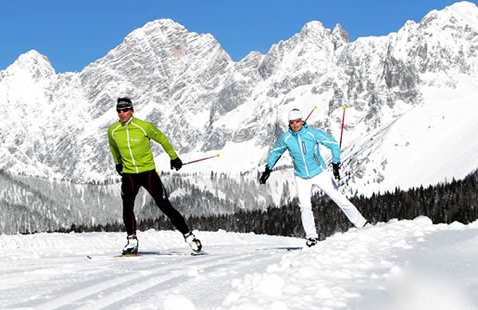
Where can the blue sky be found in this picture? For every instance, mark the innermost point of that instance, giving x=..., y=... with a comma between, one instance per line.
x=73, y=34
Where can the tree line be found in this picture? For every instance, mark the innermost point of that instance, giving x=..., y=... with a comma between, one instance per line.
x=442, y=203
x=30, y=205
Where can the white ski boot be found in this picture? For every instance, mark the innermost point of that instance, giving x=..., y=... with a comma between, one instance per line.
x=132, y=246
x=193, y=242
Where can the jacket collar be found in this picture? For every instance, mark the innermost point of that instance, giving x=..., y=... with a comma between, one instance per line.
x=304, y=129
x=129, y=121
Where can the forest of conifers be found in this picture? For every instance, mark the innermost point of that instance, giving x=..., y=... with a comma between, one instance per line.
x=442, y=203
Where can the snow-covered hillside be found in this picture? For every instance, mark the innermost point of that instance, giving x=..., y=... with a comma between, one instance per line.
x=395, y=265
x=404, y=92
x=410, y=117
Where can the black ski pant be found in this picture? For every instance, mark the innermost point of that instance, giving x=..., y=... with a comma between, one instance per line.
x=152, y=183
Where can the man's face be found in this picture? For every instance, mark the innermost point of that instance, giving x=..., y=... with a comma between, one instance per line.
x=124, y=114
x=296, y=125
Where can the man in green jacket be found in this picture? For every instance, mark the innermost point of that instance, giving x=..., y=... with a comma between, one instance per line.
x=129, y=140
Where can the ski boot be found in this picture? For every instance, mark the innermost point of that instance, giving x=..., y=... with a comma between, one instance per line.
x=193, y=242
x=310, y=242
x=132, y=246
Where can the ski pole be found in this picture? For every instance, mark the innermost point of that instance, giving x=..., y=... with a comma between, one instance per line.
x=315, y=107
x=342, y=130
x=201, y=159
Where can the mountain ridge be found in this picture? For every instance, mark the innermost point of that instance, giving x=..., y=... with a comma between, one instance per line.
x=204, y=102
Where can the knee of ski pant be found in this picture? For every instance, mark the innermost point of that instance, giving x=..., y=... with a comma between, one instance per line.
x=128, y=199
x=305, y=207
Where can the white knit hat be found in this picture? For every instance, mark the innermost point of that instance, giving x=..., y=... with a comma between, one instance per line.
x=295, y=114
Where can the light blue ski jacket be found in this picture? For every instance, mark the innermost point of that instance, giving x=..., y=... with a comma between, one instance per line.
x=303, y=147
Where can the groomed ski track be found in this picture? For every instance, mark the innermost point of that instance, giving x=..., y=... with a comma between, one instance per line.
x=407, y=264
x=104, y=281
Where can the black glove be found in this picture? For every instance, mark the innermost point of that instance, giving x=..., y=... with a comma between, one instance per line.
x=336, y=170
x=119, y=168
x=265, y=175
x=176, y=163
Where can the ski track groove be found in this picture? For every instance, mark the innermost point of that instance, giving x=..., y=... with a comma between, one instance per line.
x=145, y=279
x=151, y=282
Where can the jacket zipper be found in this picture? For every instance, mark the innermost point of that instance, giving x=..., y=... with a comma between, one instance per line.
x=302, y=153
x=130, y=150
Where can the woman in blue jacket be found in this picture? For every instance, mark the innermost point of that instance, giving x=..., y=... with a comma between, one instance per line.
x=302, y=142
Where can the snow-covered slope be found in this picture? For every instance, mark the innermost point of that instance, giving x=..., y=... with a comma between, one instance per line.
x=409, y=116
x=394, y=265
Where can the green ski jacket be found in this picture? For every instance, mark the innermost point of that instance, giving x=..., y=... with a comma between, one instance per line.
x=130, y=145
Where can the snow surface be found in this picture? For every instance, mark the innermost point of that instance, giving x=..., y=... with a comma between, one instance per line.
x=395, y=265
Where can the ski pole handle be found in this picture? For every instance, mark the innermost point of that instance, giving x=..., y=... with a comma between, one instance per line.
x=315, y=107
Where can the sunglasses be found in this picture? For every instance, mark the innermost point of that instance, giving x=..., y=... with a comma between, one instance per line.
x=124, y=110
x=295, y=121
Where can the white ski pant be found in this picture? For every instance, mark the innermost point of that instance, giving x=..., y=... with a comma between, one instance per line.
x=327, y=184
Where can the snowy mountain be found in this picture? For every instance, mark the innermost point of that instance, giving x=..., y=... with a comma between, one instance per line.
x=410, y=116
x=397, y=265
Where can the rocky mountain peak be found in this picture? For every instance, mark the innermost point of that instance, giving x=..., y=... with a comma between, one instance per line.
x=457, y=15
x=37, y=65
x=341, y=36
x=186, y=84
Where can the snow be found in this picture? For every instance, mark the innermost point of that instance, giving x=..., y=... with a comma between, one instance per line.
x=394, y=265
x=429, y=144
x=205, y=103
x=409, y=264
